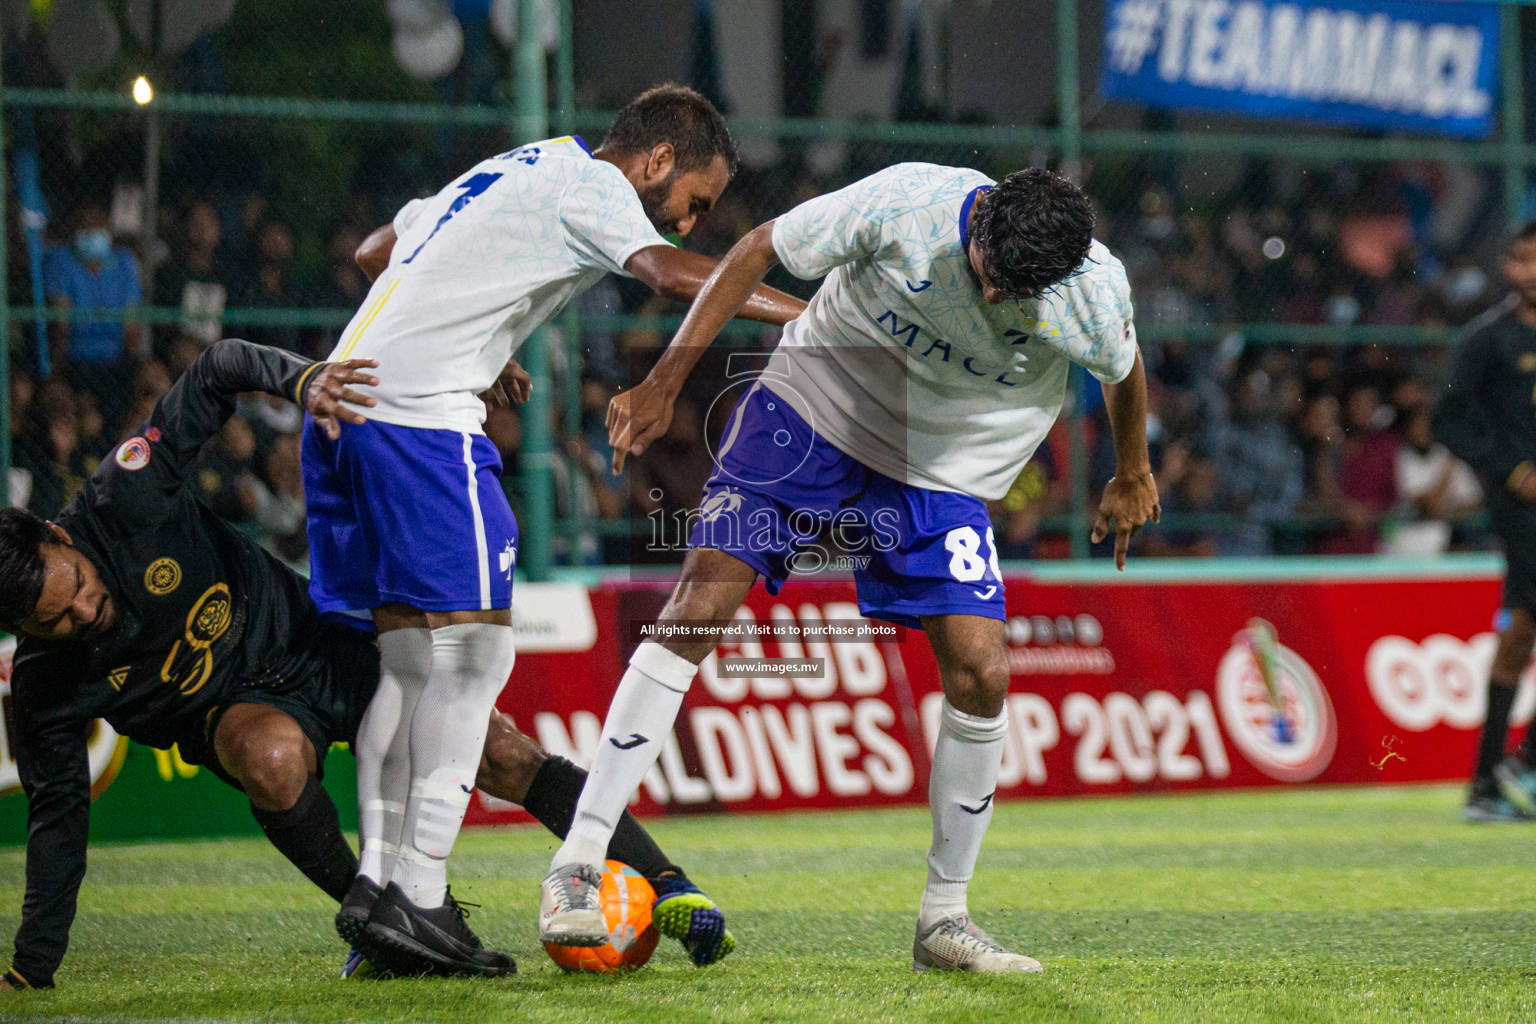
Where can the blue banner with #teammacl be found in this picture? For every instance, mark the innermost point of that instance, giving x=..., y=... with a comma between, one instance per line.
x=1404, y=65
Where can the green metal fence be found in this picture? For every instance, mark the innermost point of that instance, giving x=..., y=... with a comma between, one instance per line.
x=535, y=113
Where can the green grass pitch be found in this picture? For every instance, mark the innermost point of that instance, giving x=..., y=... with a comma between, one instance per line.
x=1321, y=905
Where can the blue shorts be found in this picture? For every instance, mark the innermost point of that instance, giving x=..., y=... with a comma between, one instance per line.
x=778, y=487
x=402, y=515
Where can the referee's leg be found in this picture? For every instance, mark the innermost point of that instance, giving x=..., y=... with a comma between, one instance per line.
x=267, y=752
x=1509, y=660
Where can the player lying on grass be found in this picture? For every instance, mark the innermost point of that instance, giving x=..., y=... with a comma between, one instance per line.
x=140, y=606
x=406, y=517
x=929, y=365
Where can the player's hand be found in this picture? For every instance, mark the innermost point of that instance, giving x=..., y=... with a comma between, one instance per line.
x=636, y=418
x=1525, y=490
x=1129, y=501
x=329, y=388
x=513, y=387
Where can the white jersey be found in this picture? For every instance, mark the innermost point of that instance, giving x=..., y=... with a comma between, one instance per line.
x=901, y=362
x=479, y=266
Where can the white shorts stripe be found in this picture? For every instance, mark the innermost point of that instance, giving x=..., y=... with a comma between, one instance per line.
x=736, y=419
x=474, y=508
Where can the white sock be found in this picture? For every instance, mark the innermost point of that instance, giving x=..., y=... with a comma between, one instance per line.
x=638, y=724
x=384, y=748
x=470, y=665
x=966, y=761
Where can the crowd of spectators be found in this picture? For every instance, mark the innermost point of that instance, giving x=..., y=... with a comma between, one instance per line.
x=1258, y=448
x=101, y=379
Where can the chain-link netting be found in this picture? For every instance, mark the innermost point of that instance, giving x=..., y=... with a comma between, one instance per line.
x=1294, y=310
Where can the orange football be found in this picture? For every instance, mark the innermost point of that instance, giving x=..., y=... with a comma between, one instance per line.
x=626, y=899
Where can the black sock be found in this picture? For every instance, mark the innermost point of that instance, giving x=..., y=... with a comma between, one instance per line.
x=552, y=797
x=309, y=835
x=1490, y=748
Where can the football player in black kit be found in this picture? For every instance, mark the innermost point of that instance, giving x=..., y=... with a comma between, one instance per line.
x=140, y=606
x=1487, y=418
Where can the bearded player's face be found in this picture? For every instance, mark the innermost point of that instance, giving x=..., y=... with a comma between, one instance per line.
x=675, y=203
x=74, y=604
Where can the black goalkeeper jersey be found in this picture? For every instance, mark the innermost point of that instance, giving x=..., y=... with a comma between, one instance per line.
x=202, y=615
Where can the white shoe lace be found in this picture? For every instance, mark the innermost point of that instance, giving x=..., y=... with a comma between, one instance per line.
x=576, y=888
x=965, y=932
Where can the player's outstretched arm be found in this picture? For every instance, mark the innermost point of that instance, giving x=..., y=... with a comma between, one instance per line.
x=642, y=414
x=149, y=469
x=52, y=761
x=204, y=397
x=1130, y=498
x=681, y=275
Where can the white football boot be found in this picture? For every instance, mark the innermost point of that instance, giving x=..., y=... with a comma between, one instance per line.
x=956, y=944
x=570, y=913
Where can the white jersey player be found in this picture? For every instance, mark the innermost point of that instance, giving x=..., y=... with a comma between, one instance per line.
x=918, y=382
x=407, y=517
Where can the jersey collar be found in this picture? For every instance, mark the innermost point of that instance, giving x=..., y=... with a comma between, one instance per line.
x=965, y=217
x=583, y=144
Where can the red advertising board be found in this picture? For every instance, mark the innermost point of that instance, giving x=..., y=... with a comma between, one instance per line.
x=1117, y=686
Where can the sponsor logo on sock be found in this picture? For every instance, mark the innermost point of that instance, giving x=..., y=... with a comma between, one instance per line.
x=986, y=802
x=635, y=739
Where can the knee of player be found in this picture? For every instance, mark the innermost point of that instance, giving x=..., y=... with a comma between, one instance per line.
x=273, y=773
x=978, y=685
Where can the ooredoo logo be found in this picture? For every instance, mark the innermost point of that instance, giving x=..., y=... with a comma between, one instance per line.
x=1440, y=680
x=1274, y=707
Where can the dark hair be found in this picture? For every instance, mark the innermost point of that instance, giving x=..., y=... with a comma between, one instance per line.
x=1033, y=229
x=681, y=116
x=22, y=536
x=1524, y=233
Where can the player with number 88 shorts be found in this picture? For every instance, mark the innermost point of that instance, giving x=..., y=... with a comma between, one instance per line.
x=923, y=374
x=916, y=551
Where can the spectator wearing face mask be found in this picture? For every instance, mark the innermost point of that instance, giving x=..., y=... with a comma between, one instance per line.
x=92, y=273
